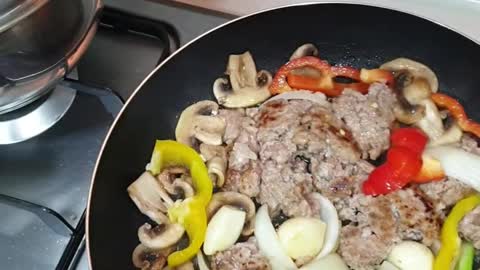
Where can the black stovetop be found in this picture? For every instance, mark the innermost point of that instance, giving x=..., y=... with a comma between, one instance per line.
x=44, y=181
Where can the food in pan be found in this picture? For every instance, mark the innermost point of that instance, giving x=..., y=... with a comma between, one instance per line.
x=316, y=166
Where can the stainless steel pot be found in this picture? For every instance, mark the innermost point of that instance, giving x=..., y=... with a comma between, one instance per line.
x=41, y=41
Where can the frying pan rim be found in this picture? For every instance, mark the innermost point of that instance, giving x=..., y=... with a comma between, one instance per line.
x=132, y=96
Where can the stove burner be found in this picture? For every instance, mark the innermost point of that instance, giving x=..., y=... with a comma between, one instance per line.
x=45, y=180
x=31, y=120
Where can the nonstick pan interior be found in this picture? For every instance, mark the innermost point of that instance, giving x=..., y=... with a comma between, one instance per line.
x=361, y=36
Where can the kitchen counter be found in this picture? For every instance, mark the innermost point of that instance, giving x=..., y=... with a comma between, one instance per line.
x=460, y=15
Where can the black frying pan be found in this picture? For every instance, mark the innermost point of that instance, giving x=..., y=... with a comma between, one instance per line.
x=361, y=36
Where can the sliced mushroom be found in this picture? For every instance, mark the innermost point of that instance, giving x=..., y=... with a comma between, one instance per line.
x=199, y=121
x=307, y=49
x=417, y=91
x=150, y=197
x=181, y=186
x=210, y=151
x=243, y=87
x=451, y=135
x=168, y=175
x=216, y=158
x=417, y=69
x=404, y=111
x=148, y=259
x=217, y=168
x=235, y=199
x=161, y=236
x=432, y=123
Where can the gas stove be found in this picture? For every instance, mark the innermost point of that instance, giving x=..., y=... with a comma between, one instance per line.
x=44, y=181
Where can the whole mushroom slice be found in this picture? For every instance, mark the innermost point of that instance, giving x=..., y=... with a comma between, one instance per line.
x=168, y=175
x=161, y=236
x=182, y=187
x=199, y=122
x=217, y=168
x=216, y=158
x=243, y=87
x=150, y=197
x=416, y=68
x=432, y=123
x=148, y=259
x=237, y=200
x=404, y=111
x=307, y=49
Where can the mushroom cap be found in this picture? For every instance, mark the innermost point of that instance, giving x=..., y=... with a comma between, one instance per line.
x=431, y=123
x=148, y=259
x=235, y=199
x=243, y=86
x=217, y=168
x=181, y=186
x=307, y=49
x=404, y=111
x=417, y=91
x=199, y=122
x=161, y=236
x=248, y=96
x=416, y=68
x=150, y=197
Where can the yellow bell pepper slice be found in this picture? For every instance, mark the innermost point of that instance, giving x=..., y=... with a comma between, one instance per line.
x=451, y=242
x=191, y=212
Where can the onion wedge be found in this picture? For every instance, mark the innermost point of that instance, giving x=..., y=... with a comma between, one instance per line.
x=316, y=97
x=328, y=214
x=268, y=242
x=458, y=163
x=330, y=262
x=202, y=264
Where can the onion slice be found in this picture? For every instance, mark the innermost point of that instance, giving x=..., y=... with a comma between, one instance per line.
x=328, y=214
x=458, y=163
x=202, y=264
x=330, y=262
x=315, y=97
x=268, y=242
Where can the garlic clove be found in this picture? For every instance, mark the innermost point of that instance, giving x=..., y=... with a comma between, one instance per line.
x=302, y=237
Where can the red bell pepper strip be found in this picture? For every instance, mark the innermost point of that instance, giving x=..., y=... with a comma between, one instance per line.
x=359, y=87
x=324, y=86
x=313, y=84
x=382, y=181
x=403, y=163
x=410, y=138
x=279, y=83
x=458, y=112
x=285, y=79
x=345, y=71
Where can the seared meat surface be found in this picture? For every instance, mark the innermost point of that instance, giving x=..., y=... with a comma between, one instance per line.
x=285, y=150
x=369, y=117
x=470, y=227
x=241, y=256
x=285, y=178
x=244, y=170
